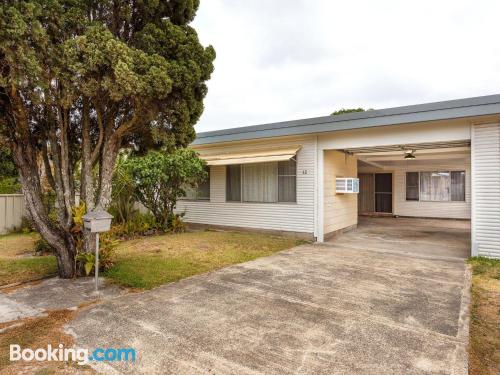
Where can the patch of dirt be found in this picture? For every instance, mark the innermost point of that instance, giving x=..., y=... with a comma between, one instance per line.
x=484, y=351
x=36, y=333
x=13, y=287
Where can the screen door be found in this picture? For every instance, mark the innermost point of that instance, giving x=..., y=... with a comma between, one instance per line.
x=383, y=192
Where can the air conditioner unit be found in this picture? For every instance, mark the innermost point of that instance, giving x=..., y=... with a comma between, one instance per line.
x=347, y=185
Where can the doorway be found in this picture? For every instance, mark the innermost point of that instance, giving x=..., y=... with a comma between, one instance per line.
x=375, y=193
x=383, y=192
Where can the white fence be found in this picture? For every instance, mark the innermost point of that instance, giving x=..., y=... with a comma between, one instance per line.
x=11, y=211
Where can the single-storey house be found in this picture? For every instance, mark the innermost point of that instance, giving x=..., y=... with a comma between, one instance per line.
x=314, y=177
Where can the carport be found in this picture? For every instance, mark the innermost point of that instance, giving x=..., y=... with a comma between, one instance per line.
x=429, y=180
x=423, y=190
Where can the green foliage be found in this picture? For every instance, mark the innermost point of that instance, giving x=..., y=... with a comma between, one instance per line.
x=9, y=180
x=26, y=269
x=343, y=111
x=122, y=206
x=162, y=177
x=133, y=56
x=42, y=247
x=7, y=166
x=485, y=266
x=107, y=247
x=9, y=185
x=78, y=212
x=26, y=225
x=87, y=260
x=176, y=224
x=139, y=224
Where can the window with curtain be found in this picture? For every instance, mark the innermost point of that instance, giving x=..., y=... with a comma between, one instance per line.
x=262, y=182
x=202, y=192
x=435, y=186
x=412, y=186
x=233, y=183
x=287, y=181
x=458, y=186
x=440, y=186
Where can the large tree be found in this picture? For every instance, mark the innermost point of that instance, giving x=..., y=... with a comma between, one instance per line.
x=80, y=79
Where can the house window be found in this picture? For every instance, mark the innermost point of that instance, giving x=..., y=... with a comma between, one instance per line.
x=458, y=186
x=412, y=186
x=202, y=192
x=287, y=181
x=440, y=186
x=262, y=182
x=233, y=183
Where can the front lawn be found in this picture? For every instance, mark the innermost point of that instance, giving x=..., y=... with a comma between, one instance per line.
x=151, y=261
x=484, y=351
x=147, y=262
x=17, y=260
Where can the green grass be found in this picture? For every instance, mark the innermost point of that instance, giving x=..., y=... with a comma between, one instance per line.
x=21, y=270
x=17, y=263
x=148, y=262
x=152, y=261
x=484, y=351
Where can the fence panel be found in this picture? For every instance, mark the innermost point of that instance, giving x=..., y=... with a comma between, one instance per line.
x=11, y=212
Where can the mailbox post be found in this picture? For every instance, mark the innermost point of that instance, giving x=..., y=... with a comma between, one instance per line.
x=97, y=221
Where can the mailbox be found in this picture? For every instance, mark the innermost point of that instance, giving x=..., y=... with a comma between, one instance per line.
x=97, y=221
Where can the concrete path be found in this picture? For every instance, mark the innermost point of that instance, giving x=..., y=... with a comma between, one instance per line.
x=34, y=299
x=339, y=308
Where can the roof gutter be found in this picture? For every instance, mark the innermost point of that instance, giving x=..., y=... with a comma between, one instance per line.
x=427, y=112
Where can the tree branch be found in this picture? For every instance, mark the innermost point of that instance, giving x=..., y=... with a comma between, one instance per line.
x=98, y=146
x=48, y=169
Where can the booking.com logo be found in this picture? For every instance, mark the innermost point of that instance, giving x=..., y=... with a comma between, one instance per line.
x=78, y=355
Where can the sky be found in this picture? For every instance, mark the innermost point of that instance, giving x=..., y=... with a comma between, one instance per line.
x=281, y=60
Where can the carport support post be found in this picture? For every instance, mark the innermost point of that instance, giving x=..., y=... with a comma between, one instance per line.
x=320, y=188
x=97, y=263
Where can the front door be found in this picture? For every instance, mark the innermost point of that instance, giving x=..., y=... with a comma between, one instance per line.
x=383, y=192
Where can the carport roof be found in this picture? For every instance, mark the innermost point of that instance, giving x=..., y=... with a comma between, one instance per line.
x=445, y=110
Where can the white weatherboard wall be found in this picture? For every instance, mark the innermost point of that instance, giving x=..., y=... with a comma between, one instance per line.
x=340, y=210
x=11, y=212
x=292, y=217
x=486, y=190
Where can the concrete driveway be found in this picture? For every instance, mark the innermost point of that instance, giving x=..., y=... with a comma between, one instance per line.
x=352, y=306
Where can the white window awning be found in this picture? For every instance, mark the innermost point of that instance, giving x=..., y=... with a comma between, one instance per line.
x=256, y=156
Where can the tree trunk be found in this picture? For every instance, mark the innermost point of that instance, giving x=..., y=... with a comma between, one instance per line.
x=109, y=155
x=66, y=256
x=87, y=183
x=59, y=239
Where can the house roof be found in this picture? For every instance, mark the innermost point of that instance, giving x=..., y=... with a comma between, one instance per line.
x=445, y=110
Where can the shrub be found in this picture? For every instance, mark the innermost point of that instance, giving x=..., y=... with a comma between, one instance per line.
x=176, y=224
x=107, y=246
x=140, y=224
x=161, y=178
x=123, y=200
x=26, y=225
x=9, y=185
x=42, y=247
